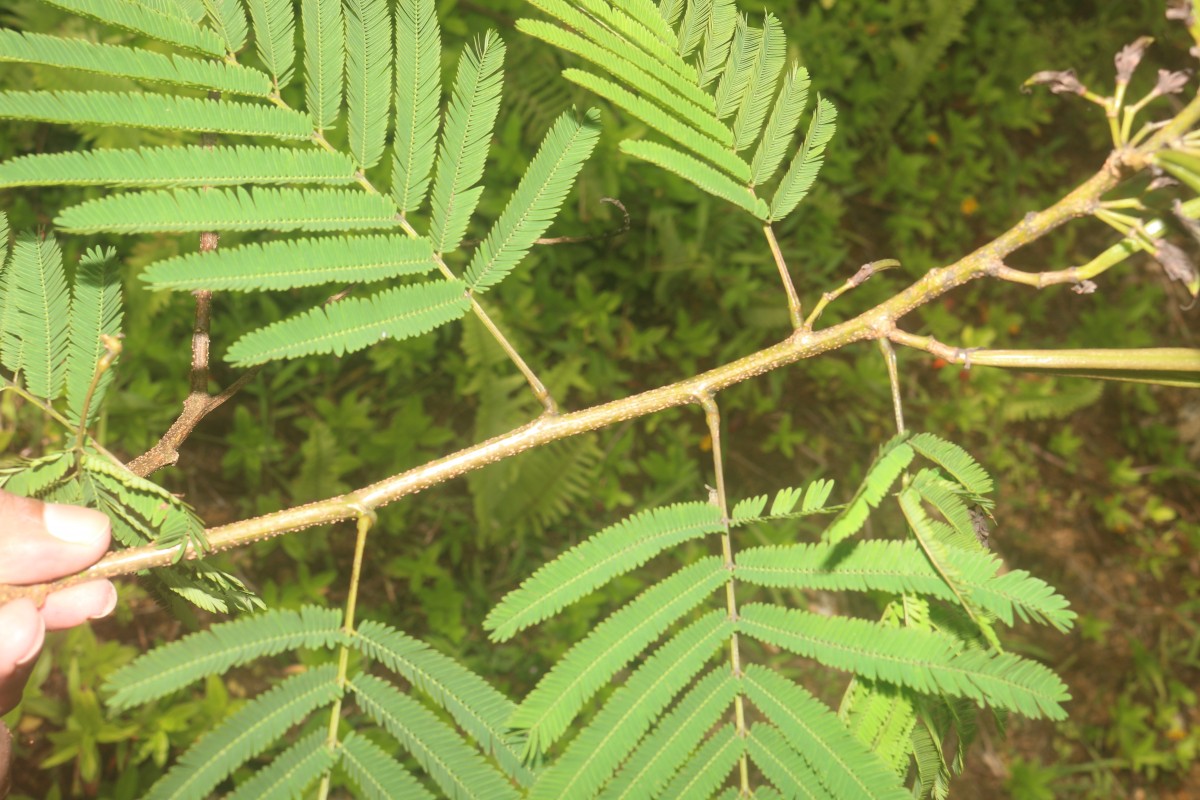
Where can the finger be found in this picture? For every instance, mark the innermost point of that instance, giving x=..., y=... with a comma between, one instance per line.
x=43, y=541
x=22, y=631
x=75, y=605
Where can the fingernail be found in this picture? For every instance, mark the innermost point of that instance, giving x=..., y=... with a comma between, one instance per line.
x=37, y=644
x=74, y=524
x=110, y=606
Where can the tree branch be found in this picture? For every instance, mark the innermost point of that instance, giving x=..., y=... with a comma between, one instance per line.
x=873, y=324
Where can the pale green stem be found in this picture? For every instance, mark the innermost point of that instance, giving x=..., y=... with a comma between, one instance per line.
x=366, y=518
x=712, y=416
x=889, y=358
x=112, y=348
x=793, y=299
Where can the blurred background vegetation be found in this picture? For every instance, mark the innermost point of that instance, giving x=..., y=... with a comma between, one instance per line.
x=937, y=152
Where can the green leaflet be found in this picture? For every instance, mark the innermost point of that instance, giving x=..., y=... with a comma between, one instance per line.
x=794, y=777
x=454, y=766
x=718, y=36
x=699, y=173
x=219, y=649
x=162, y=111
x=10, y=339
x=139, y=19
x=294, y=263
x=158, y=167
x=845, y=766
x=814, y=498
x=246, y=733
x=673, y=72
x=670, y=127
x=806, y=163
x=695, y=21
x=466, y=135
x=594, y=755
x=355, y=323
x=478, y=709
x=636, y=34
x=378, y=775
x=418, y=94
x=739, y=68
x=902, y=568
x=954, y=460
x=38, y=310
x=129, y=62
x=537, y=200
x=768, y=62
x=925, y=661
x=95, y=312
x=776, y=139
x=228, y=18
x=230, y=210
x=548, y=710
x=670, y=10
x=592, y=563
x=892, y=459
x=291, y=772
x=698, y=117
x=661, y=754
x=368, y=78
x=324, y=59
x=274, y=37
x=708, y=767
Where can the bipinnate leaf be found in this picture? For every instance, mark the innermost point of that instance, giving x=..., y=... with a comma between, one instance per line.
x=739, y=68
x=291, y=772
x=246, y=733
x=718, y=36
x=925, y=661
x=459, y=770
x=274, y=37
x=418, y=94
x=845, y=766
x=592, y=563
x=36, y=477
x=264, y=208
x=294, y=263
x=662, y=753
x=129, y=62
x=95, y=312
x=140, y=19
x=892, y=459
x=802, y=172
x=152, y=110
x=228, y=18
x=466, y=134
x=811, y=500
x=355, y=323
x=537, y=200
x=474, y=704
x=549, y=709
x=368, y=78
x=698, y=173
x=219, y=649
x=38, y=311
x=324, y=59
x=378, y=775
x=594, y=755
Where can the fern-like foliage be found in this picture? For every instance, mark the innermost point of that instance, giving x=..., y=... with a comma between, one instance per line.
x=931, y=657
x=709, y=93
x=475, y=757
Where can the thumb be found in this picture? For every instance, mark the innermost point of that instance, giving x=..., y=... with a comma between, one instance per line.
x=43, y=541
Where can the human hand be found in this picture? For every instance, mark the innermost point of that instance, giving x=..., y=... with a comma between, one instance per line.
x=40, y=542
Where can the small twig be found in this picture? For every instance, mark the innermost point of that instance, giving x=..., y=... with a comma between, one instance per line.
x=857, y=279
